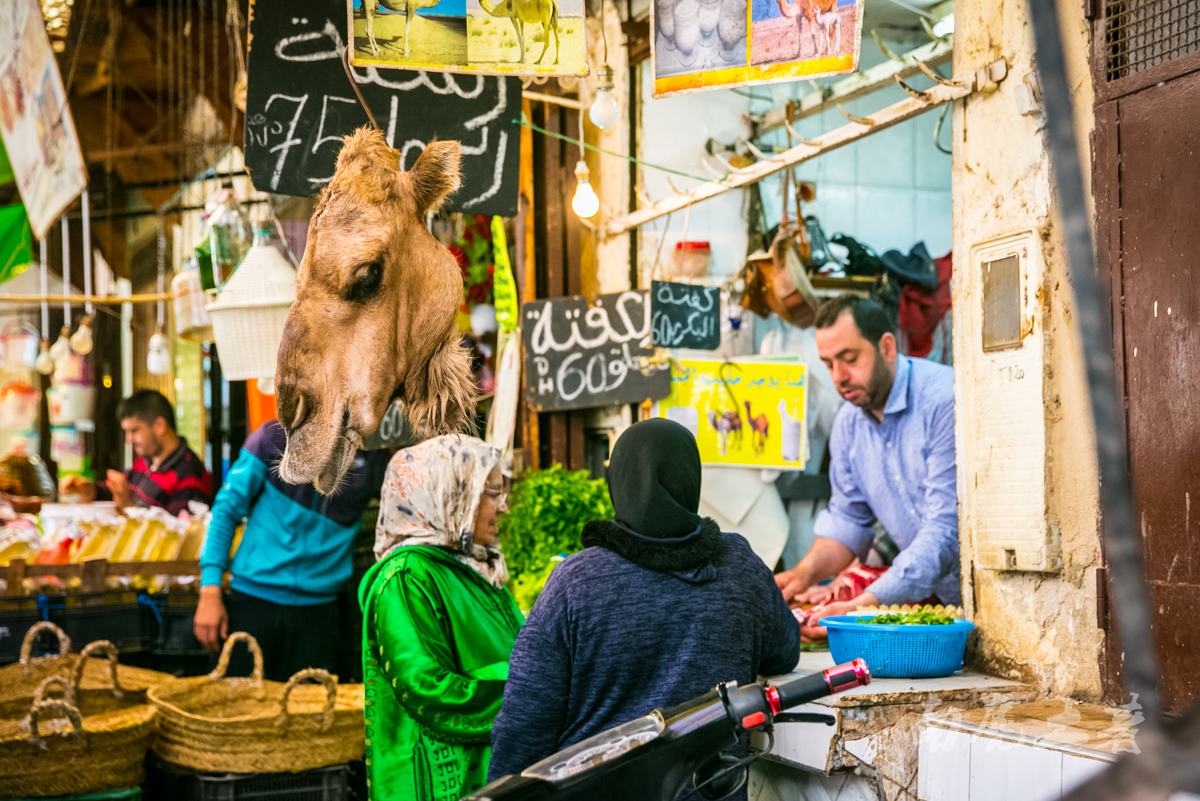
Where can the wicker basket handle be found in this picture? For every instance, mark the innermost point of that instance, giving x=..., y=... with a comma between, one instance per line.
x=325, y=717
x=62, y=707
x=227, y=651
x=64, y=642
x=68, y=689
x=108, y=649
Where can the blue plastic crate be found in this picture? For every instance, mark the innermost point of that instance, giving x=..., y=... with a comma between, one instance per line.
x=899, y=651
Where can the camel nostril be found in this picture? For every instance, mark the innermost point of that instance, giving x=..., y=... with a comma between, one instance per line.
x=301, y=413
x=292, y=406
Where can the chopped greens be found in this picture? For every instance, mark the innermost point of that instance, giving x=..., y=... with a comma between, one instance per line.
x=909, y=619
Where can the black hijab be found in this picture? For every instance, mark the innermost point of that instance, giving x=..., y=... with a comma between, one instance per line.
x=654, y=483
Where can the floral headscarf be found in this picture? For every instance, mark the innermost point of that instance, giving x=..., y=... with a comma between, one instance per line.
x=430, y=496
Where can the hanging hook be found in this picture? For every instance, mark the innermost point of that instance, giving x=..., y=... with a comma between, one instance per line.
x=933, y=76
x=758, y=154
x=913, y=93
x=792, y=132
x=867, y=121
x=884, y=48
x=932, y=35
x=354, y=86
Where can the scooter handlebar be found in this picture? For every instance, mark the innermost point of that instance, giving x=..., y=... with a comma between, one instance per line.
x=818, y=685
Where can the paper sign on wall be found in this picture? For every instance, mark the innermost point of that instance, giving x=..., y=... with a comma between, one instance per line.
x=741, y=413
x=491, y=37
x=718, y=44
x=35, y=122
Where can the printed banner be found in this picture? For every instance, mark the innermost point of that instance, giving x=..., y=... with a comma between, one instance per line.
x=750, y=414
x=504, y=37
x=35, y=121
x=719, y=44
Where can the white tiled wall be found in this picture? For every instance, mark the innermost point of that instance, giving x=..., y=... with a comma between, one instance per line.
x=953, y=766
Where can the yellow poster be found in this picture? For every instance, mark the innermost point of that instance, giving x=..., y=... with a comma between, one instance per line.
x=741, y=413
x=720, y=44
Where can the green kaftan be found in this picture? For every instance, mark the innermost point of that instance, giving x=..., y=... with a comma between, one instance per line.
x=436, y=642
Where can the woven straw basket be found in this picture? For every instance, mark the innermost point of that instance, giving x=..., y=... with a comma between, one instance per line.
x=98, y=685
x=248, y=725
x=55, y=751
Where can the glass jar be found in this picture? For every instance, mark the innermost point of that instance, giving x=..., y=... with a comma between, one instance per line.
x=710, y=15
x=230, y=235
x=687, y=30
x=188, y=302
x=732, y=29
x=664, y=21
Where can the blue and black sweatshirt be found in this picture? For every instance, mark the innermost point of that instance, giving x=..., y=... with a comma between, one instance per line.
x=296, y=549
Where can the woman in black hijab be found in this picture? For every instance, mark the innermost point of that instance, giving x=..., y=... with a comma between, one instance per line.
x=658, y=608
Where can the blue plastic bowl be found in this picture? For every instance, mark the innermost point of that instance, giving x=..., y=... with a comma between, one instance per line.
x=897, y=651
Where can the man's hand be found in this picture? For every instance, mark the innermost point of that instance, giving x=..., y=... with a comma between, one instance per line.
x=792, y=582
x=211, y=621
x=118, y=485
x=844, y=607
x=80, y=487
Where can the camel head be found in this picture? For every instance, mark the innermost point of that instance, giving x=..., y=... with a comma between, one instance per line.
x=374, y=317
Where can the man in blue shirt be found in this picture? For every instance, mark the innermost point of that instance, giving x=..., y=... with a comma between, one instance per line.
x=892, y=461
x=294, y=557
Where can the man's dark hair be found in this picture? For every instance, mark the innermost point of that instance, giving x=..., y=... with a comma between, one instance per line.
x=869, y=316
x=147, y=405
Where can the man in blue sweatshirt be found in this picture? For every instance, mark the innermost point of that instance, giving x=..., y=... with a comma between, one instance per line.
x=293, y=559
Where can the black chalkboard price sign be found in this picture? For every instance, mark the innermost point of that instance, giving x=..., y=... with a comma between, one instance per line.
x=299, y=105
x=578, y=356
x=685, y=316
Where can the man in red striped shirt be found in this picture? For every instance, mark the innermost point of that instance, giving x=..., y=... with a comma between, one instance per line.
x=167, y=473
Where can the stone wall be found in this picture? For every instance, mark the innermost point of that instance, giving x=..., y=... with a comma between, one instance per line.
x=1038, y=627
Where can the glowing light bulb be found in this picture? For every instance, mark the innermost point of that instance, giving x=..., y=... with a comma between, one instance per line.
x=585, y=203
x=944, y=26
x=44, y=363
x=61, y=348
x=604, y=112
x=158, y=360
x=81, y=340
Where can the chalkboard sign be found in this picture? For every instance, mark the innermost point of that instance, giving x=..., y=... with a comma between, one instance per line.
x=299, y=105
x=685, y=316
x=393, y=431
x=578, y=356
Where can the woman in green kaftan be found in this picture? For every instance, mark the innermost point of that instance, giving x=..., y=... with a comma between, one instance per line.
x=438, y=622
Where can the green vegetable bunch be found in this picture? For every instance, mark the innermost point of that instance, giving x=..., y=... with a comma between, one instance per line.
x=921, y=618
x=547, y=512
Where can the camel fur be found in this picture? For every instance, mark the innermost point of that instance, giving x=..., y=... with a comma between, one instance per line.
x=374, y=317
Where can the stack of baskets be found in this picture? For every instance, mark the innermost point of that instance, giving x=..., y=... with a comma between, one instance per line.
x=219, y=724
x=93, y=738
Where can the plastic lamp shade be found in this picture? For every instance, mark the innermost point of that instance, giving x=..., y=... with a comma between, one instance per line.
x=585, y=203
x=158, y=361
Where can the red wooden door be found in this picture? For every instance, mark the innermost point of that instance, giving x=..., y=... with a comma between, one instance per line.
x=1147, y=180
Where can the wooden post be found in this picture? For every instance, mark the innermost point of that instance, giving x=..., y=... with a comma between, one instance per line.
x=16, y=577
x=530, y=441
x=91, y=579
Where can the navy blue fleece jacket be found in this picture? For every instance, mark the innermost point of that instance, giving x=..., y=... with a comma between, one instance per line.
x=609, y=641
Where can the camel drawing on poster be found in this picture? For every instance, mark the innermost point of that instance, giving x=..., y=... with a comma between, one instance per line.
x=759, y=429
x=528, y=12
x=410, y=9
x=817, y=12
x=729, y=423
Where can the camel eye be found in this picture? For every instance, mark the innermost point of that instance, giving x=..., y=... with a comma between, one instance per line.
x=366, y=283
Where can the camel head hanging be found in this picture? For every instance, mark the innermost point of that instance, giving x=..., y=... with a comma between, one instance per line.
x=374, y=317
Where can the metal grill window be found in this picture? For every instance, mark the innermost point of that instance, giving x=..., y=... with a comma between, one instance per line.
x=1141, y=34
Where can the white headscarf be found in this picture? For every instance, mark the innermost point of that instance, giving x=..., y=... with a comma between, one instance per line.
x=430, y=496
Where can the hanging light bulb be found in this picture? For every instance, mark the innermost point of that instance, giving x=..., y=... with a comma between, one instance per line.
x=81, y=340
x=267, y=385
x=44, y=363
x=158, y=361
x=585, y=203
x=604, y=112
x=61, y=348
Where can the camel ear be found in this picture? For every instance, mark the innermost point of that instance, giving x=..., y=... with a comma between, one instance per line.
x=436, y=175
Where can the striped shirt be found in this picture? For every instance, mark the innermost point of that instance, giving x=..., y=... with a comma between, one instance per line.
x=181, y=477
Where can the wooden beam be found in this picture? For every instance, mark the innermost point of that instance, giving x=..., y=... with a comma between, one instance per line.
x=852, y=132
x=542, y=97
x=112, y=300
x=864, y=83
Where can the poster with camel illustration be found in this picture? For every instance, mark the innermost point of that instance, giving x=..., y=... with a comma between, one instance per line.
x=747, y=413
x=487, y=37
x=719, y=44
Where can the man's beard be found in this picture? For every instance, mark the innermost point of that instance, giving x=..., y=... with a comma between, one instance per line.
x=879, y=386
